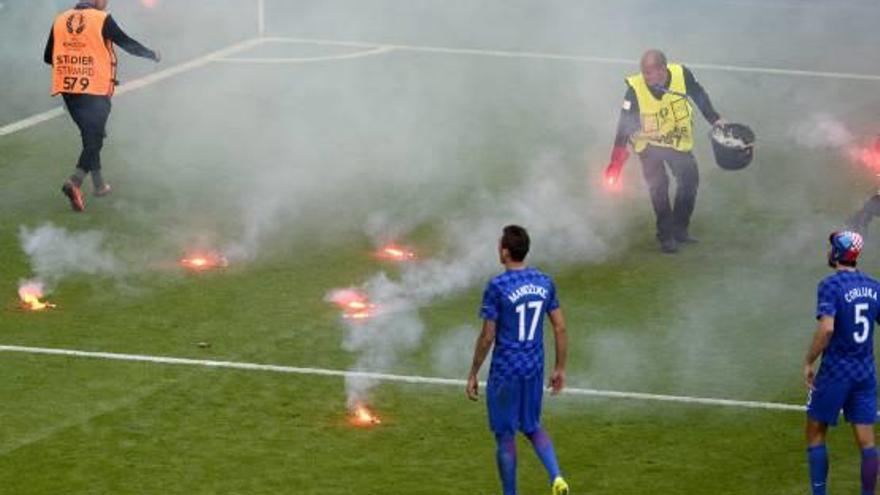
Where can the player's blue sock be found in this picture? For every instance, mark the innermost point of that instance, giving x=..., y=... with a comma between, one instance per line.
x=506, y=457
x=544, y=448
x=869, y=470
x=818, y=458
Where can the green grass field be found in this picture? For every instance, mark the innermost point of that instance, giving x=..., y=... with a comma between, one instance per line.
x=299, y=168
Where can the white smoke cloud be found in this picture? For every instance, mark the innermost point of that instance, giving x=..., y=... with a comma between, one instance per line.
x=55, y=253
x=823, y=131
x=452, y=353
x=565, y=227
x=261, y=218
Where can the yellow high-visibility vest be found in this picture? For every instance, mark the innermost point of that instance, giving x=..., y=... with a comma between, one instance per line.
x=667, y=122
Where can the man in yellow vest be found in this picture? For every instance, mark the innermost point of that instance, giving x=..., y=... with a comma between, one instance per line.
x=657, y=118
x=80, y=51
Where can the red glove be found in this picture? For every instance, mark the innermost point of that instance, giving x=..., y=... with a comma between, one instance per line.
x=612, y=172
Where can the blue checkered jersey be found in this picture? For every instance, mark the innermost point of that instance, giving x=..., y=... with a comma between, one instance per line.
x=517, y=301
x=850, y=297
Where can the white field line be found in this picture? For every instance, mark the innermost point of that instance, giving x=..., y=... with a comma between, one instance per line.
x=81, y=417
x=301, y=60
x=223, y=56
x=261, y=18
x=137, y=83
x=31, y=121
x=575, y=58
x=610, y=394
x=864, y=8
x=188, y=66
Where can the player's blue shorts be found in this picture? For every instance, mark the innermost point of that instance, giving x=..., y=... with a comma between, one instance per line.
x=858, y=399
x=515, y=404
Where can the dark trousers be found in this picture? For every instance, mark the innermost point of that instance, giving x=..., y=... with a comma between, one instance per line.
x=90, y=112
x=863, y=217
x=672, y=220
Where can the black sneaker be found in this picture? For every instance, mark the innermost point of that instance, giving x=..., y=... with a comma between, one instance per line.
x=686, y=239
x=74, y=195
x=669, y=246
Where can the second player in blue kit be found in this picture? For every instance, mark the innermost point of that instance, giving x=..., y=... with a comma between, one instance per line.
x=513, y=309
x=847, y=308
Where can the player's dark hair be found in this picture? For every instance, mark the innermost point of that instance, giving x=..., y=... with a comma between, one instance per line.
x=516, y=241
x=833, y=264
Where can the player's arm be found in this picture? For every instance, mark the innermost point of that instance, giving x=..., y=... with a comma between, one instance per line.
x=557, y=379
x=821, y=337
x=481, y=350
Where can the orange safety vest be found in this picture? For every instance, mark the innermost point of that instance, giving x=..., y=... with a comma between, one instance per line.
x=83, y=62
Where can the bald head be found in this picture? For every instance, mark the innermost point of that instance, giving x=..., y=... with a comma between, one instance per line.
x=653, y=66
x=98, y=4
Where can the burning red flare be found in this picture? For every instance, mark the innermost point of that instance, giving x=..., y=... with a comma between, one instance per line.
x=354, y=304
x=610, y=181
x=203, y=261
x=30, y=295
x=868, y=156
x=363, y=417
x=393, y=252
x=613, y=183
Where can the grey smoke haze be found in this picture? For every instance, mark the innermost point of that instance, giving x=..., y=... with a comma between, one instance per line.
x=181, y=30
x=266, y=158
x=452, y=353
x=55, y=253
x=823, y=131
x=326, y=149
x=564, y=226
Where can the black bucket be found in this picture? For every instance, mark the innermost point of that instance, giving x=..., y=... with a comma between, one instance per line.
x=733, y=145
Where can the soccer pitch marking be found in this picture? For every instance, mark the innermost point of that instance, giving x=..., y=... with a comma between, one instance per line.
x=137, y=83
x=223, y=56
x=300, y=60
x=573, y=58
x=387, y=377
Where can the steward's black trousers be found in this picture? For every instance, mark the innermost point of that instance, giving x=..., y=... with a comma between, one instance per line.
x=863, y=217
x=90, y=112
x=672, y=220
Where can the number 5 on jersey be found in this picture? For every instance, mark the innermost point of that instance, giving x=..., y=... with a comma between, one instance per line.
x=859, y=337
x=536, y=316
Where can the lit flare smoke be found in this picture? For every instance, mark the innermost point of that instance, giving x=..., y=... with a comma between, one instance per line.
x=868, y=156
x=826, y=132
x=363, y=417
x=202, y=261
x=354, y=304
x=55, y=253
x=30, y=294
x=393, y=252
x=565, y=228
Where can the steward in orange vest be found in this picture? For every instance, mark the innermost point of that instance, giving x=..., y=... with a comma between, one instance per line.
x=80, y=51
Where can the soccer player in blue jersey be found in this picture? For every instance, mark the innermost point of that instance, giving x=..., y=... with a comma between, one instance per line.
x=514, y=305
x=847, y=309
